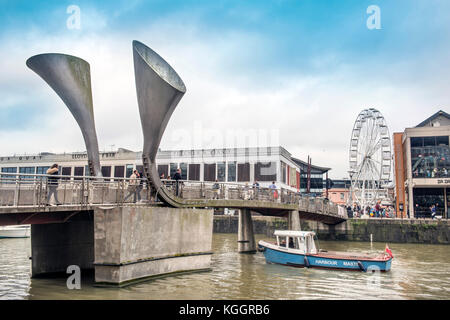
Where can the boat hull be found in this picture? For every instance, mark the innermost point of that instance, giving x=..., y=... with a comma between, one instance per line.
x=284, y=257
x=14, y=232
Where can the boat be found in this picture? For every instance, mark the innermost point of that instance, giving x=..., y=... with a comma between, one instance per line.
x=298, y=249
x=22, y=231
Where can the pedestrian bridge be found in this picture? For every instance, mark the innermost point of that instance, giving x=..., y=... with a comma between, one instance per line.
x=23, y=198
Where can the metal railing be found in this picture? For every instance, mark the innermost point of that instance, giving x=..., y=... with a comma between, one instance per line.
x=19, y=189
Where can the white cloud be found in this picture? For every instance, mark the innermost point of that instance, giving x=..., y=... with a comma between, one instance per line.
x=309, y=115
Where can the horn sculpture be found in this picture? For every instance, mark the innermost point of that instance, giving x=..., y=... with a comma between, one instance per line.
x=159, y=89
x=70, y=78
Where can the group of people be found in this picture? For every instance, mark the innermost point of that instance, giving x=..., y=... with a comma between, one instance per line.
x=376, y=211
x=135, y=186
x=176, y=177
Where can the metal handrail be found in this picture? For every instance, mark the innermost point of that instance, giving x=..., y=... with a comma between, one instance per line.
x=18, y=189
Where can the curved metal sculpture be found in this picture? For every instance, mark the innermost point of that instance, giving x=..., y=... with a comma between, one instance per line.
x=70, y=78
x=159, y=89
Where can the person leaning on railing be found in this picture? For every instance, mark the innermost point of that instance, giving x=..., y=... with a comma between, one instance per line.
x=52, y=183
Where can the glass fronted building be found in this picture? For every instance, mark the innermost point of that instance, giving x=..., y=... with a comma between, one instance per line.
x=234, y=165
x=316, y=178
x=422, y=164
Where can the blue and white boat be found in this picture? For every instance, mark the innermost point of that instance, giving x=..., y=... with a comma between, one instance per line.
x=298, y=249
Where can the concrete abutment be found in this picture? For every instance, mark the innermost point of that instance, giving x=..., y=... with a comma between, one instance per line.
x=126, y=244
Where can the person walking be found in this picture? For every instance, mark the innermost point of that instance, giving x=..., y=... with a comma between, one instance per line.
x=255, y=190
x=216, y=189
x=176, y=177
x=140, y=185
x=433, y=211
x=52, y=183
x=273, y=187
x=133, y=186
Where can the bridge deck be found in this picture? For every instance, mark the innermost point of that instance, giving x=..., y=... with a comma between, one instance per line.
x=27, y=196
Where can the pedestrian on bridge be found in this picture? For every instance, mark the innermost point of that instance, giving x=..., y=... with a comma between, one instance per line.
x=216, y=190
x=52, y=183
x=133, y=187
x=176, y=177
x=273, y=187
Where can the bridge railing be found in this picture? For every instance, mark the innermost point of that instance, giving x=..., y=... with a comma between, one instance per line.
x=19, y=189
x=228, y=191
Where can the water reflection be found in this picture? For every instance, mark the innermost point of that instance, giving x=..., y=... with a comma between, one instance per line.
x=418, y=272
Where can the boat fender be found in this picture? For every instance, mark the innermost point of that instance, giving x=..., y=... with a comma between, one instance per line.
x=306, y=262
x=361, y=266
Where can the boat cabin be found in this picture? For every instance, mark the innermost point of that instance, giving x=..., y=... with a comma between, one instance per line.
x=302, y=241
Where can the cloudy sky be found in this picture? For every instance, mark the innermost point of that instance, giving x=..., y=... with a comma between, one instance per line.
x=292, y=73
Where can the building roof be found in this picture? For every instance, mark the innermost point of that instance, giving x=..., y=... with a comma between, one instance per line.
x=438, y=114
x=313, y=167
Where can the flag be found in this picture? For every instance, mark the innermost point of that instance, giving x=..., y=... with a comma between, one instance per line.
x=388, y=251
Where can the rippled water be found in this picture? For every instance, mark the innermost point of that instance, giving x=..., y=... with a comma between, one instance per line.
x=418, y=272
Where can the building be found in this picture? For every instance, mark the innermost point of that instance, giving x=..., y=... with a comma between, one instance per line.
x=339, y=191
x=422, y=164
x=316, y=185
x=234, y=165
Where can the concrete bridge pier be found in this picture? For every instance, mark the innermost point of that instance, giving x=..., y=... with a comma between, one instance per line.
x=246, y=237
x=294, y=220
x=56, y=246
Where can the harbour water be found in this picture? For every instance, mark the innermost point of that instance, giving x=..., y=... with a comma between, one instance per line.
x=419, y=271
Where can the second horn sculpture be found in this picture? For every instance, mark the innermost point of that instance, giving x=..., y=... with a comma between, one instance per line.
x=159, y=89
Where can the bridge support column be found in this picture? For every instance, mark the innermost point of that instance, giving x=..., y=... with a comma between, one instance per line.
x=136, y=243
x=56, y=246
x=294, y=221
x=246, y=237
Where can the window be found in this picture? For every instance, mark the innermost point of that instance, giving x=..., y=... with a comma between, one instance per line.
x=7, y=178
x=129, y=170
x=243, y=172
x=106, y=172
x=266, y=171
x=342, y=196
x=119, y=172
x=173, y=168
x=78, y=171
x=194, y=171
x=425, y=198
x=66, y=171
x=29, y=170
x=283, y=172
x=221, y=171
x=430, y=157
x=231, y=171
x=87, y=172
x=42, y=170
x=183, y=167
x=209, y=172
x=163, y=169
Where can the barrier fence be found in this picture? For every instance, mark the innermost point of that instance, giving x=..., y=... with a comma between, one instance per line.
x=19, y=189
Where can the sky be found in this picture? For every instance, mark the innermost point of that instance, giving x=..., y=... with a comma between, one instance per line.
x=258, y=73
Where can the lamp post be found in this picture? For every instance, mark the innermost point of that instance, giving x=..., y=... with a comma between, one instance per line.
x=350, y=196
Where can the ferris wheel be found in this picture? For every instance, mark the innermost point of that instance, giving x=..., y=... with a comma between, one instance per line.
x=370, y=158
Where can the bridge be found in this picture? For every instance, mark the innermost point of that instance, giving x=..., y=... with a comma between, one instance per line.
x=99, y=226
x=23, y=198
